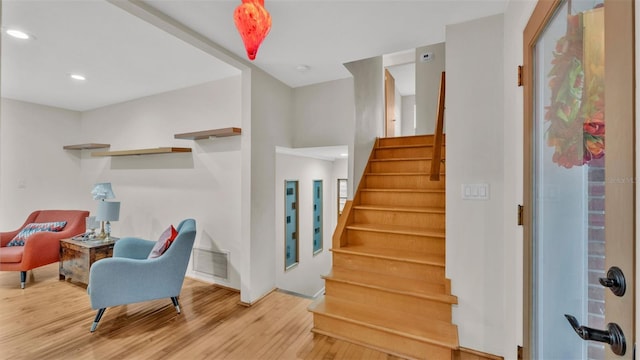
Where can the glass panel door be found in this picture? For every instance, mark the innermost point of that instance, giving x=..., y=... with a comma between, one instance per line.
x=571, y=182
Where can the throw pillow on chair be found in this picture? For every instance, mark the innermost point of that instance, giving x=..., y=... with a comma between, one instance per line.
x=163, y=243
x=33, y=228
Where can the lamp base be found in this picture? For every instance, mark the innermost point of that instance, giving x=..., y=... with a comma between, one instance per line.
x=105, y=231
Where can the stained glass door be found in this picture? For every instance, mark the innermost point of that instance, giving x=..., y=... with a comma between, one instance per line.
x=291, y=224
x=317, y=216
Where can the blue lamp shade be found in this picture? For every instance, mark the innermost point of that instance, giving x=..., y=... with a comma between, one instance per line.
x=108, y=211
x=102, y=191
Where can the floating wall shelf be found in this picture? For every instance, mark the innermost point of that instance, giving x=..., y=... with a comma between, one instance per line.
x=199, y=135
x=86, y=146
x=160, y=150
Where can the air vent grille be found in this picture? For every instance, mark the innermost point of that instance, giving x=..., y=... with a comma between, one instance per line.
x=211, y=262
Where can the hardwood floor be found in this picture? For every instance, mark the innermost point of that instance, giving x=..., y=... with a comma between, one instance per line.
x=50, y=319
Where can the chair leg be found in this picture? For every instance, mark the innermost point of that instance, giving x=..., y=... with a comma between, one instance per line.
x=97, y=319
x=174, y=299
x=23, y=279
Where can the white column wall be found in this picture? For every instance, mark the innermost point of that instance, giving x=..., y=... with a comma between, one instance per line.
x=368, y=82
x=474, y=103
x=271, y=126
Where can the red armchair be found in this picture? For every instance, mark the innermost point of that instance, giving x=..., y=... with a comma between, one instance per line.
x=41, y=248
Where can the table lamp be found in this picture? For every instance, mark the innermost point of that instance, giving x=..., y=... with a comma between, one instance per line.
x=107, y=211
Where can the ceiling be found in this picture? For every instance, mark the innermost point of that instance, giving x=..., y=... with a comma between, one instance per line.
x=125, y=58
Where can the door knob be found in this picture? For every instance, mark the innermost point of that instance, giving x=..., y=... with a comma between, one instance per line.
x=615, y=281
x=612, y=336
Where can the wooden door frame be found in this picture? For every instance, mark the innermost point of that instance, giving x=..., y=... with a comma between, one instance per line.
x=389, y=107
x=620, y=104
x=543, y=11
x=620, y=70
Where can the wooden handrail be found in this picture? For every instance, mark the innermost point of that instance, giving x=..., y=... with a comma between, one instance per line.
x=437, y=142
x=340, y=233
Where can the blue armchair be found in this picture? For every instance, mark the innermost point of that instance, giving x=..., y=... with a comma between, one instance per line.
x=129, y=277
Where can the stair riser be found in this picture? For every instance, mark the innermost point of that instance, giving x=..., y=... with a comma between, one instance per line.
x=408, y=152
x=413, y=140
x=432, y=221
x=379, y=339
x=403, y=166
x=406, y=181
x=430, y=273
x=429, y=199
x=387, y=300
x=422, y=244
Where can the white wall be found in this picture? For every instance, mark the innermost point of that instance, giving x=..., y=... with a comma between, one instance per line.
x=36, y=173
x=428, y=86
x=305, y=278
x=340, y=171
x=324, y=114
x=368, y=86
x=397, y=110
x=158, y=190
x=408, y=113
x=474, y=103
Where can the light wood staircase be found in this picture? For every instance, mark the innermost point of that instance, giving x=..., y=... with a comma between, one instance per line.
x=387, y=289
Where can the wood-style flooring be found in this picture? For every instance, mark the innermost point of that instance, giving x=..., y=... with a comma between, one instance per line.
x=50, y=319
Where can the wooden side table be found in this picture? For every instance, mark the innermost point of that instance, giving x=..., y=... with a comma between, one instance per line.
x=77, y=256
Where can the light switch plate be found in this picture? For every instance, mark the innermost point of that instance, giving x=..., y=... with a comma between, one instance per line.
x=475, y=191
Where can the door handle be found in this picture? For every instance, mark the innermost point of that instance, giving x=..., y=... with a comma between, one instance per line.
x=612, y=336
x=615, y=281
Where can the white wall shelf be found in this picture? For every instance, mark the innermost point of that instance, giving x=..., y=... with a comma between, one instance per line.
x=160, y=150
x=87, y=146
x=199, y=135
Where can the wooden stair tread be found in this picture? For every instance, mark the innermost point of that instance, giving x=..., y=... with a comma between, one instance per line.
x=415, y=209
x=422, y=173
x=385, y=147
x=395, y=229
x=387, y=288
x=403, y=159
x=390, y=283
x=425, y=136
x=392, y=254
x=412, y=326
x=427, y=191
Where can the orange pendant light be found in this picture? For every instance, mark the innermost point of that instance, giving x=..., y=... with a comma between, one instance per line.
x=253, y=22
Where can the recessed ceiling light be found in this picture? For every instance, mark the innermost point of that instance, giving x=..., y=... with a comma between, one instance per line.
x=303, y=68
x=78, y=77
x=18, y=34
x=344, y=155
